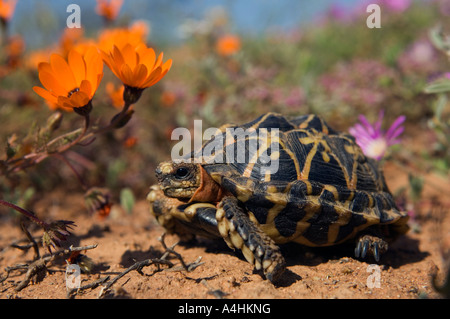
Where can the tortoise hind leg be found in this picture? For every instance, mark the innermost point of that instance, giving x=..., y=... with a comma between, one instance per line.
x=370, y=244
x=240, y=232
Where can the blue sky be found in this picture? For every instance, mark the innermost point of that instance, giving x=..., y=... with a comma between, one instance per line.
x=40, y=20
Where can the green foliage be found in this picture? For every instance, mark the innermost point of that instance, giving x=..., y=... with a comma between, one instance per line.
x=440, y=122
x=416, y=185
x=438, y=86
x=127, y=200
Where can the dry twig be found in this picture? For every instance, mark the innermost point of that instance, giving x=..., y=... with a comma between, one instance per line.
x=74, y=291
x=37, y=270
x=155, y=261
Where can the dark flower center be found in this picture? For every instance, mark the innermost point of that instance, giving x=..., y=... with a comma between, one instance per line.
x=72, y=92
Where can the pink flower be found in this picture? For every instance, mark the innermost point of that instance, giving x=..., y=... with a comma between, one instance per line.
x=373, y=141
x=396, y=5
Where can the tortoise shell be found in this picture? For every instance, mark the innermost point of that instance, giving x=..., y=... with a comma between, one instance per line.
x=322, y=191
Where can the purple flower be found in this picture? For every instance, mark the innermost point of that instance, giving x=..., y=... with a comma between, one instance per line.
x=444, y=7
x=419, y=59
x=397, y=5
x=340, y=13
x=373, y=141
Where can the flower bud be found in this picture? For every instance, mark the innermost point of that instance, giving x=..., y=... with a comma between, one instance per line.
x=124, y=120
x=53, y=122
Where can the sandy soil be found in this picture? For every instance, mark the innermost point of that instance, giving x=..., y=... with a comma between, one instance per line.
x=122, y=239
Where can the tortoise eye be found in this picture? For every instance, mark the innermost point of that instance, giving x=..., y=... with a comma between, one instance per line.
x=181, y=173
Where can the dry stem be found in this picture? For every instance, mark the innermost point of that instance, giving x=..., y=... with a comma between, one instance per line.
x=154, y=261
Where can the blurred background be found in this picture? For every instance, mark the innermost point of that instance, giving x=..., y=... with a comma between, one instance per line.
x=232, y=61
x=40, y=21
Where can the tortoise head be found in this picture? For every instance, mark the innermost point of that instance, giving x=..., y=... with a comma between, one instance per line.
x=188, y=182
x=179, y=180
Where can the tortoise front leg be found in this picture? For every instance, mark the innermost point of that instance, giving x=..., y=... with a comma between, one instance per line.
x=185, y=220
x=240, y=232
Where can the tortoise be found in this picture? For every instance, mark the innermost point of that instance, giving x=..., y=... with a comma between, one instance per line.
x=324, y=192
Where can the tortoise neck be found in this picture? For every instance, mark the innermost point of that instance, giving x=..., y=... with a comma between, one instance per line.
x=209, y=190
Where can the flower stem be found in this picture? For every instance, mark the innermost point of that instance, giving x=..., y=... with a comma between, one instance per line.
x=66, y=161
x=25, y=212
x=34, y=158
x=79, y=138
x=114, y=122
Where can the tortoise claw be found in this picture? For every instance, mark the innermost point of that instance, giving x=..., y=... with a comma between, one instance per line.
x=365, y=248
x=358, y=249
x=370, y=244
x=376, y=252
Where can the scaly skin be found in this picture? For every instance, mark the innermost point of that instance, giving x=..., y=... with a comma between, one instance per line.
x=233, y=224
x=240, y=232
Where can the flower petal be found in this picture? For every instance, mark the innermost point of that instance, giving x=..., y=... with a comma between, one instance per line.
x=394, y=138
x=45, y=94
x=166, y=66
x=127, y=75
x=79, y=99
x=393, y=131
x=44, y=66
x=51, y=84
x=78, y=66
x=62, y=72
x=147, y=56
x=140, y=74
x=368, y=127
x=117, y=57
x=159, y=60
x=107, y=58
x=86, y=87
x=94, y=67
x=379, y=122
x=152, y=79
x=114, y=60
x=99, y=79
x=130, y=56
x=64, y=101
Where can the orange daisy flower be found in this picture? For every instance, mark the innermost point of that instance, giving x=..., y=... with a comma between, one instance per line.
x=137, y=67
x=7, y=8
x=130, y=142
x=35, y=57
x=15, y=48
x=55, y=107
x=119, y=37
x=73, y=83
x=228, y=45
x=109, y=9
x=69, y=39
x=140, y=27
x=168, y=98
